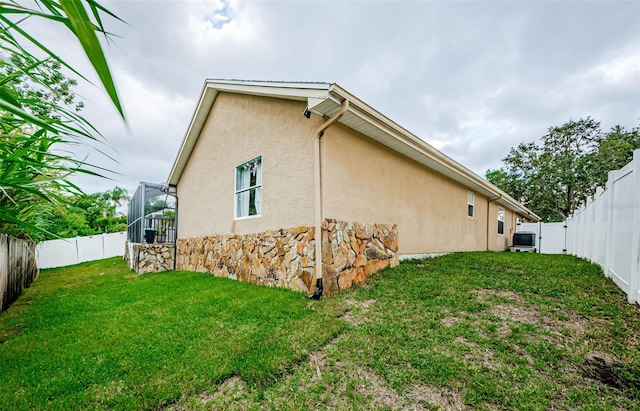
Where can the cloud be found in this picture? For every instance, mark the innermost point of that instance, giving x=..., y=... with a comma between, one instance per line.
x=471, y=78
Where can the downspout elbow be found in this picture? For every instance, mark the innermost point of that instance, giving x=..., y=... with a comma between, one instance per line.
x=318, y=197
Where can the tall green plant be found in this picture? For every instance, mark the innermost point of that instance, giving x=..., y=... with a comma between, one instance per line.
x=34, y=127
x=74, y=16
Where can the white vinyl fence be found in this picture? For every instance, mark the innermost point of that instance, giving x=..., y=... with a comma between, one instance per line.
x=69, y=251
x=605, y=230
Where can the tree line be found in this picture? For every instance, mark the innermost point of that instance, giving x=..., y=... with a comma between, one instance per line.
x=555, y=176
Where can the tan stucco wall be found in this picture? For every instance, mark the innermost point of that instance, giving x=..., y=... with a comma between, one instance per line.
x=240, y=128
x=367, y=182
x=500, y=242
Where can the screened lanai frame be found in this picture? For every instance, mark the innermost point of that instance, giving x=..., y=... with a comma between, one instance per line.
x=165, y=228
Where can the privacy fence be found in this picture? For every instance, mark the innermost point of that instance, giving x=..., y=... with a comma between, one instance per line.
x=18, y=268
x=69, y=251
x=605, y=230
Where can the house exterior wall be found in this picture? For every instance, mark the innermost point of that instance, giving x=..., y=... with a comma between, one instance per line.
x=366, y=181
x=377, y=203
x=500, y=242
x=239, y=128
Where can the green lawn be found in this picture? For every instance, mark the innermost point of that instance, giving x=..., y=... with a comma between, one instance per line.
x=96, y=336
x=463, y=331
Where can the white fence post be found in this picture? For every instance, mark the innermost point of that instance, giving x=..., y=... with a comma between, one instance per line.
x=608, y=259
x=634, y=280
x=569, y=236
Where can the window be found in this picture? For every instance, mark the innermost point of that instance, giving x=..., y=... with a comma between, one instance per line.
x=249, y=188
x=470, y=204
x=500, y=220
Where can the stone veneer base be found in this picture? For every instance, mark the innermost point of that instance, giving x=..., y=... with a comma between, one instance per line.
x=285, y=258
x=149, y=258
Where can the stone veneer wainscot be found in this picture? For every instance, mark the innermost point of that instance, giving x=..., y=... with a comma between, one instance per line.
x=149, y=258
x=286, y=257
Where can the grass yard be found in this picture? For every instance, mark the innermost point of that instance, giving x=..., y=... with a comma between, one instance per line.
x=97, y=336
x=464, y=331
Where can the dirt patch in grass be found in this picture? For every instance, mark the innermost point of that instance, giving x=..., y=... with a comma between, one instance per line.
x=633, y=341
x=110, y=390
x=478, y=355
x=357, y=312
x=419, y=397
x=606, y=369
x=514, y=271
x=450, y=321
x=443, y=399
x=516, y=313
x=562, y=326
x=232, y=393
x=232, y=389
x=349, y=380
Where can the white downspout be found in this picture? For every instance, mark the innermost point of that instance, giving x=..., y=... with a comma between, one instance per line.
x=317, y=170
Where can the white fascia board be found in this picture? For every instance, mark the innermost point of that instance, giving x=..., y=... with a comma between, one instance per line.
x=428, y=155
x=273, y=84
x=290, y=91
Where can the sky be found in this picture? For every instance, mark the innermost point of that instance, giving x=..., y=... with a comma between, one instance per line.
x=471, y=78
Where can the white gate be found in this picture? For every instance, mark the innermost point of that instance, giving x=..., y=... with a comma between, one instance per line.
x=550, y=237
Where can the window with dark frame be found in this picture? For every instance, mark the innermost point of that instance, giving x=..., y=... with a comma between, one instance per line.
x=500, y=220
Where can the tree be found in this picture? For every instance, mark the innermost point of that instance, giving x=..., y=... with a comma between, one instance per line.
x=555, y=178
x=40, y=101
x=563, y=166
x=34, y=112
x=614, y=152
x=116, y=197
x=77, y=215
x=156, y=204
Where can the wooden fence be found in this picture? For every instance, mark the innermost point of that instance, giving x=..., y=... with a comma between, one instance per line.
x=18, y=268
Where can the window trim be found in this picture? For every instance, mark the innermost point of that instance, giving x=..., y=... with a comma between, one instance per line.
x=236, y=192
x=500, y=208
x=471, y=204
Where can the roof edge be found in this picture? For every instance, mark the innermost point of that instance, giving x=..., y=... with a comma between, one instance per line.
x=313, y=93
x=427, y=149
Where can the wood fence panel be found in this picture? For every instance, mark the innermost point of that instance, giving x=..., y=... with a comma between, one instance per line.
x=18, y=268
x=4, y=268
